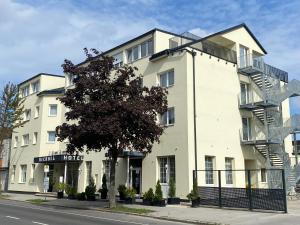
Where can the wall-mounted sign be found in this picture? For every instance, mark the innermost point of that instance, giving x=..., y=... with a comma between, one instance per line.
x=58, y=159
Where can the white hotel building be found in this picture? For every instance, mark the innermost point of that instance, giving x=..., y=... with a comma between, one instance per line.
x=226, y=109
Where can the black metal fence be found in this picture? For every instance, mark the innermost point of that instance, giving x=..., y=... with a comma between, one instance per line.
x=248, y=189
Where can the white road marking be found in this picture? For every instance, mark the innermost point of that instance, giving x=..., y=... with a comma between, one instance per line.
x=77, y=214
x=39, y=223
x=12, y=217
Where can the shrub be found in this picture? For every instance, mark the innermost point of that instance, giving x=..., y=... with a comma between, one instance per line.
x=194, y=194
x=158, y=192
x=122, y=191
x=149, y=195
x=90, y=190
x=130, y=193
x=70, y=191
x=60, y=186
x=172, y=189
x=103, y=190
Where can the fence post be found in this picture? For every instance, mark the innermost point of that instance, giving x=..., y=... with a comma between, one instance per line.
x=220, y=188
x=284, y=190
x=249, y=190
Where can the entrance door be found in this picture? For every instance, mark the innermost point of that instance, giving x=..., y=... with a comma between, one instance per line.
x=136, y=179
x=244, y=93
x=51, y=178
x=72, y=174
x=244, y=57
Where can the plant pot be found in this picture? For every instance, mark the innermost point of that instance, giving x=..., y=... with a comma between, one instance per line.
x=103, y=195
x=91, y=197
x=81, y=196
x=147, y=202
x=129, y=200
x=160, y=203
x=173, y=201
x=71, y=197
x=195, y=202
x=60, y=194
x=122, y=196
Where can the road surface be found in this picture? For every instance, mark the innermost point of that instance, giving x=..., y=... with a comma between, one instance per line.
x=19, y=213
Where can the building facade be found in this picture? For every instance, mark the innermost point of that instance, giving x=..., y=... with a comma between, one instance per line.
x=227, y=108
x=4, y=164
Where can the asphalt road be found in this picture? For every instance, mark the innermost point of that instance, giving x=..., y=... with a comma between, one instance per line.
x=19, y=213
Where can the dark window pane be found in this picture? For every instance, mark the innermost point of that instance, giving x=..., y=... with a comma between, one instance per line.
x=150, y=47
x=144, y=49
x=171, y=78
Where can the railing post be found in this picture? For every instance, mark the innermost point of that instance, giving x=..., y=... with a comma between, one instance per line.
x=284, y=191
x=220, y=188
x=249, y=190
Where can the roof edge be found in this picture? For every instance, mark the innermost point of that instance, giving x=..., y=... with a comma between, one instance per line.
x=40, y=74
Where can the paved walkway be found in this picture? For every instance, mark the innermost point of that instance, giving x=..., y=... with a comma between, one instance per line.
x=184, y=212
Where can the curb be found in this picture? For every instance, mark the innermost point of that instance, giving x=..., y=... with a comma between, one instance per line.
x=126, y=213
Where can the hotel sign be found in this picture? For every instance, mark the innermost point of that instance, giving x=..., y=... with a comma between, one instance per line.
x=58, y=159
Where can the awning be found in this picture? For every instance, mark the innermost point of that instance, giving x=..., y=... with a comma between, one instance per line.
x=58, y=159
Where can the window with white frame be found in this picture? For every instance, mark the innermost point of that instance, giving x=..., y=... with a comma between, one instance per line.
x=209, y=167
x=246, y=122
x=106, y=170
x=168, y=118
x=37, y=112
x=139, y=51
x=166, y=169
x=88, y=168
x=23, y=173
x=27, y=115
x=32, y=172
x=118, y=59
x=16, y=142
x=228, y=170
x=263, y=175
x=53, y=110
x=244, y=93
x=70, y=79
x=51, y=137
x=13, y=174
x=25, y=91
x=35, y=137
x=35, y=87
x=25, y=140
x=167, y=78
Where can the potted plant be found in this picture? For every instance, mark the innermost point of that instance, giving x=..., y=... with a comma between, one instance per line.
x=194, y=195
x=158, y=197
x=122, y=191
x=148, y=197
x=103, y=190
x=130, y=196
x=172, y=200
x=90, y=191
x=60, y=187
x=81, y=196
x=71, y=192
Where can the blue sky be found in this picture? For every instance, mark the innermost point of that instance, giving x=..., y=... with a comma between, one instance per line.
x=37, y=35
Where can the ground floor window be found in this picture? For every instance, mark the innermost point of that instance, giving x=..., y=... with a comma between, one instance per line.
x=106, y=170
x=32, y=173
x=13, y=173
x=23, y=173
x=263, y=175
x=166, y=169
x=228, y=170
x=209, y=167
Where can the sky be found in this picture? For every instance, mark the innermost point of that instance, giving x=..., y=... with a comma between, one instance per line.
x=37, y=35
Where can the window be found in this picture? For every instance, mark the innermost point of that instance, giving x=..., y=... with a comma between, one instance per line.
x=23, y=173
x=244, y=57
x=166, y=169
x=51, y=136
x=25, y=140
x=37, y=112
x=36, y=87
x=228, y=170
x=53, y=110
x=106, y=170
x=244, y=94
x=118, y=59
x=209, y=167
x=168, y=118
x=139, y=51
x=167, y=79
x=70, y=79
x=246, y=129
x=263, y=175
x=13, y=174
x=32, y=172
x=35, y=136
x=88, y=165
x=16, y=141
x=25, y=91
x=27, y=114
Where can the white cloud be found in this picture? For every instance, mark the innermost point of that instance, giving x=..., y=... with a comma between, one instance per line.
x=38, y=38
x=199, y=32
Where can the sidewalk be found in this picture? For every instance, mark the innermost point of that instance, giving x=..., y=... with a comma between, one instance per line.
x=186, y=213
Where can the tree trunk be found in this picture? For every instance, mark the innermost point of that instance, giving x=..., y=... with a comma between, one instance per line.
x=112, y=183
